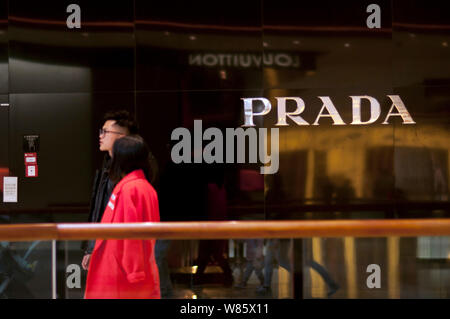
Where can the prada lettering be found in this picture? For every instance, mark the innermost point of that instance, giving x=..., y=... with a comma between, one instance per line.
x=328, y=109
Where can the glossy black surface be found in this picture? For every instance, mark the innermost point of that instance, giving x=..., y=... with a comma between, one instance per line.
x=174, y=62
x=67, y=125
x=64, y=158
x=159, y=113
x=421, y=40
x=45, y=56
x=197, y=45
x=4, y=120
x=331, y=41
x=170, y=63
x=4, y=46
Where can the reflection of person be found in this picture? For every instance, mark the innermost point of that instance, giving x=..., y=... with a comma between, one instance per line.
x=255, y=261
x=216, y=206
x=126, y=268
x=440, y=192
x=117, y=124
x=169, y=210
x=279, y=249
x=161, y=254
x=276, y=249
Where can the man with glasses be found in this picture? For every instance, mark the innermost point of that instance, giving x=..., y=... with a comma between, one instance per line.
x=116, y=125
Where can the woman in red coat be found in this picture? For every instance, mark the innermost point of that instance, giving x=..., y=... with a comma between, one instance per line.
x=126, y=268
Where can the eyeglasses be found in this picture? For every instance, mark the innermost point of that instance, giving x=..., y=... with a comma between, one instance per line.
x=102, y=132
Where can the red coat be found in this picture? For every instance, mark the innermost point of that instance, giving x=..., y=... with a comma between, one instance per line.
x=126, y=268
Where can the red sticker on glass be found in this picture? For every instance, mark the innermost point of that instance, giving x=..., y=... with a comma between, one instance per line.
x=31, y=171
x=30, y=158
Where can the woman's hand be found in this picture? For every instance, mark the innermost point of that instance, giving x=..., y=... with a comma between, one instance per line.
x=85, y=262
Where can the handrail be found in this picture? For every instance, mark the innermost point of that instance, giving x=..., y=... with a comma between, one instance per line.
x=229, y=229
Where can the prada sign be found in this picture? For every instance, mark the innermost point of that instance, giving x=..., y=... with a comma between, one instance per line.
x=397, y=109
x=231, y=147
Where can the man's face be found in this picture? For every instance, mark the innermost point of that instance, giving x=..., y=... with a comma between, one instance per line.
x=111, y=133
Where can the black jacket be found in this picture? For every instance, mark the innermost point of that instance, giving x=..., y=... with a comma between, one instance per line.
x=101, y=191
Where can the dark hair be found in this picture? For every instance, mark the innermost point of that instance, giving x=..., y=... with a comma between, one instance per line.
x=129, y=153
x=123, y=119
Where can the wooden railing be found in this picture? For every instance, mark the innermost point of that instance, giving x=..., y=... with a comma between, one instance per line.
x=228, y=229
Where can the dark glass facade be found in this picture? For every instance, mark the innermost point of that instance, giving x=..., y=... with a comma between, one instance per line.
x=175, y=62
